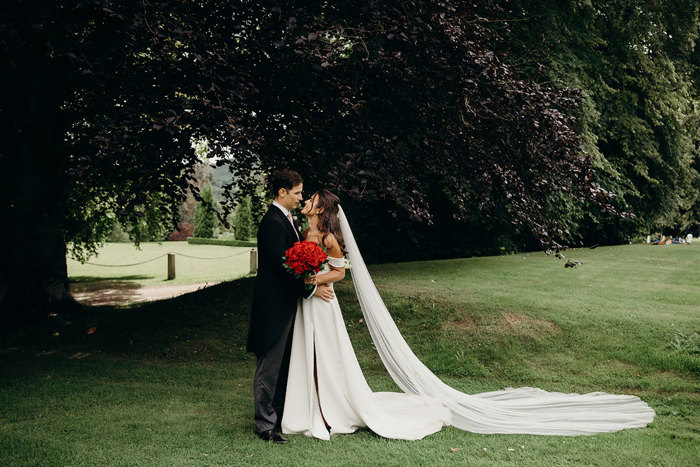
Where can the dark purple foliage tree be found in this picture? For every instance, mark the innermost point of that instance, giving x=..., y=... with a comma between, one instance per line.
x=402, y=107
x=406, y=110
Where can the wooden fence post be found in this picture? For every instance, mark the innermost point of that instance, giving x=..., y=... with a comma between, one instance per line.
x=253, y=261
x=171, y=266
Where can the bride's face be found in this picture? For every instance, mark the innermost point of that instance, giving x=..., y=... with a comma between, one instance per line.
x=310, y=208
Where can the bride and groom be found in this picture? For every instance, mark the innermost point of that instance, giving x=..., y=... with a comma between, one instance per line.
x=308, y=380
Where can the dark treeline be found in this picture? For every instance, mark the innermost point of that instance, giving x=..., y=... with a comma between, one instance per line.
x=447, y=128
x=636, y=63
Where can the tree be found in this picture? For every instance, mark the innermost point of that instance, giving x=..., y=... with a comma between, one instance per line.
x=416, y=118
x=634, y=61
x=104, y=102
x=403, y=107
x=204, y=217
x=243, y=224
x=202, y=176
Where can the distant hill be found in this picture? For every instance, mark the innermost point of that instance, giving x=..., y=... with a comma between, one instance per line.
x=220, y=176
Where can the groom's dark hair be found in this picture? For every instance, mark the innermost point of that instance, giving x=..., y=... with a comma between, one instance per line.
x=286, y=179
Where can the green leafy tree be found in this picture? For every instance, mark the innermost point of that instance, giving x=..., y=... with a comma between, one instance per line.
x=243, y=223
x=636, y=63
x=96, y=127
x=204, y=217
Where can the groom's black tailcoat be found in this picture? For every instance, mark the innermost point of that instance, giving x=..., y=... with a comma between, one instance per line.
x=276, y=291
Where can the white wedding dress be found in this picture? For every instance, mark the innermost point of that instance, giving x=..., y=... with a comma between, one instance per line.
x=343, y=396
x=347, y=403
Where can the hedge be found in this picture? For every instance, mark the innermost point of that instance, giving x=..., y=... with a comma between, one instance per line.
x=220, y=241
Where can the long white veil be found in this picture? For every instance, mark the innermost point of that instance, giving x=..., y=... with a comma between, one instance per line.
x=523, y=410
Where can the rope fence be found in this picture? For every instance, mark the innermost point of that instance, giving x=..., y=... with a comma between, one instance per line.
x=171, y=261
x=125, y=265
x=218, y=257
x=160, y=256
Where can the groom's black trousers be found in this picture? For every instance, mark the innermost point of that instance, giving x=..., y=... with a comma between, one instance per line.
x=270, y=383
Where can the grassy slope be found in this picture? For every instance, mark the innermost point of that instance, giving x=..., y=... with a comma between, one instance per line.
x=170, y=382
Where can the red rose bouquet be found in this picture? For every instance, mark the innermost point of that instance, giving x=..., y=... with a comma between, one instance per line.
x=304, y=259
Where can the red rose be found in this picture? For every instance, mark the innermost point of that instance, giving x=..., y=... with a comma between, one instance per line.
x=304, y=258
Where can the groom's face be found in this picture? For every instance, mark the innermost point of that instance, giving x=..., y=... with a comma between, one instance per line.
x=290, y=199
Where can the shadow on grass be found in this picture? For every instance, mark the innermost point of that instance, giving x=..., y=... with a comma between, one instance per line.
x=80, y=279
x=206, y=325
x=96, y=291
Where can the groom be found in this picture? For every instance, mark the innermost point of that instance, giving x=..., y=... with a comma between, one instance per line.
x=275, y=301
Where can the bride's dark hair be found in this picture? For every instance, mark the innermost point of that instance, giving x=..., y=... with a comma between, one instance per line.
x=328, y=221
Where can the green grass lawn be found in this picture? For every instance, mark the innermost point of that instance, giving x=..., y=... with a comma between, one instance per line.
x=210, y=263
x=169, y=383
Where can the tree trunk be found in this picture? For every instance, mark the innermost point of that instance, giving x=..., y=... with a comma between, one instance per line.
x=35, y=278
x=33, y=273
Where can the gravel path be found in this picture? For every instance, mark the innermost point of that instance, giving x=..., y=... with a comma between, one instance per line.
x=129, y=293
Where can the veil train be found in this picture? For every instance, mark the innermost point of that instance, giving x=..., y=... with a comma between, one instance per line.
x=522, y=410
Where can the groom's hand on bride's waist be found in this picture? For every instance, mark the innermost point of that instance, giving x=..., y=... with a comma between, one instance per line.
x=324, y=292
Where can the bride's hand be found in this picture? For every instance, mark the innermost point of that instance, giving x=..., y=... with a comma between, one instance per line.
x=311, y=280
x=324, y=292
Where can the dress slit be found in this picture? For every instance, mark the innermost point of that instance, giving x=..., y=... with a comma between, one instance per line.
x=318, y=396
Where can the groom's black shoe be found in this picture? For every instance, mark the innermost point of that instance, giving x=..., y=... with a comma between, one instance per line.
x=272, y=435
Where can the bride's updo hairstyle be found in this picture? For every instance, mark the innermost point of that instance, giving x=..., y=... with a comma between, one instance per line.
x=328, y=221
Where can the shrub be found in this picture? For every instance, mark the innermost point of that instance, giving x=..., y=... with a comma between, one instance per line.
x=118, y=235
x=183, y=232
x=219, y=241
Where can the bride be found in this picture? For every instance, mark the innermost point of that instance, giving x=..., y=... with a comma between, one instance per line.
x=327, y=393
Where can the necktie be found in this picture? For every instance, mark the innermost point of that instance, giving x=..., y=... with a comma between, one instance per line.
x=291, y=221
